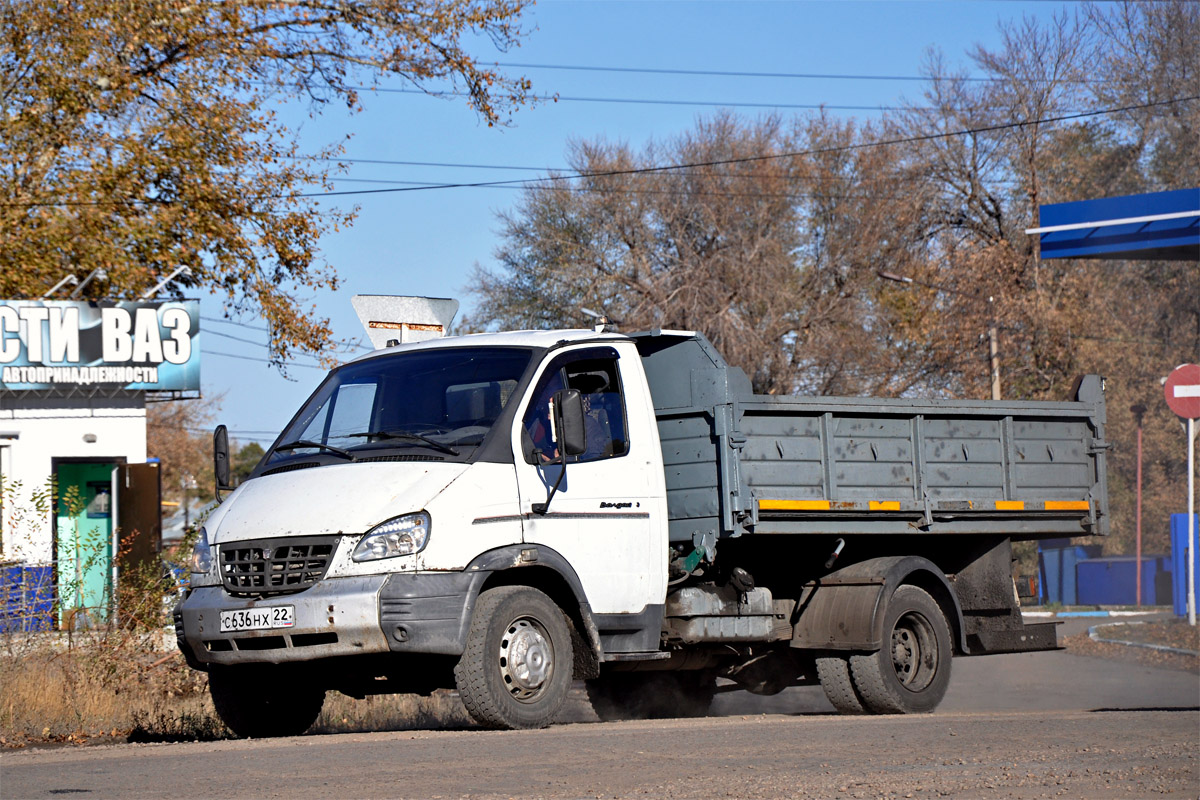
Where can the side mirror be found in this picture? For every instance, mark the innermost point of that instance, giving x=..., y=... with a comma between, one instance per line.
x=221, y=459
x=568, y=421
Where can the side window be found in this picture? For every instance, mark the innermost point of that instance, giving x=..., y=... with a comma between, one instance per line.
x=598, y=383
x=603, y=408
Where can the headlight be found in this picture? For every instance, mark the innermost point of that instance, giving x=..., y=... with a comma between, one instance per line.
x=399, y=536
x=201, y=561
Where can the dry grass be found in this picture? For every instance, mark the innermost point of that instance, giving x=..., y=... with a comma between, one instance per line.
x=124, y=680
x=95, y=688
x=92, y=693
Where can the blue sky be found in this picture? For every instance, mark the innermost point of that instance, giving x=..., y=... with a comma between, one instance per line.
x=426, y=242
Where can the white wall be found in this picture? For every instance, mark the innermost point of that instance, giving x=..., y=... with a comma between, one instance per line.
x=35, y=430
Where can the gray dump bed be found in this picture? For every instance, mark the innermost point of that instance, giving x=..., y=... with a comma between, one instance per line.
x=737, y=462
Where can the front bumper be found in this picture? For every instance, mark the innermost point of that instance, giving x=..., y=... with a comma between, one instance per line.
x=401, y=613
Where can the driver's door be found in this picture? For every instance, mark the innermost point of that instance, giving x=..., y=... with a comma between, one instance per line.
x=600, y=519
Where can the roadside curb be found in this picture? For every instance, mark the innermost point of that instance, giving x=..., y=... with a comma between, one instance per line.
x=1162, y=648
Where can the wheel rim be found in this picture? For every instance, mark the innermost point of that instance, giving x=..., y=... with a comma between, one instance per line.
x=526, y=659
x=914, y=651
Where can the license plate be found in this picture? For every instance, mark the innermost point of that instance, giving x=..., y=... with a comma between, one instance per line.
x=257, y=619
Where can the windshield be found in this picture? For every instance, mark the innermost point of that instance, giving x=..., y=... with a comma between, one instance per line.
x=443, y=401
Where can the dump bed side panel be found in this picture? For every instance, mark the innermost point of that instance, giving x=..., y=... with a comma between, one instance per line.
x=833, y=465
x=740, y=463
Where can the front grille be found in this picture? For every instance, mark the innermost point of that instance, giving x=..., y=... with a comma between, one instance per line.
x=409, y=457
x=292, y=467
x=275, y=566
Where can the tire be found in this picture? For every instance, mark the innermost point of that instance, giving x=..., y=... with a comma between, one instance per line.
x=652, y=695
x=516, y=669
x=260, y=703
x=910, y=673
x=834, y=674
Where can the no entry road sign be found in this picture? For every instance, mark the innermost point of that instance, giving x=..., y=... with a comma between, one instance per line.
x=1183, y=391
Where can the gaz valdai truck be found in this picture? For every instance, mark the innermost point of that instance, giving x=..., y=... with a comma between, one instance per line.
x=504, y=514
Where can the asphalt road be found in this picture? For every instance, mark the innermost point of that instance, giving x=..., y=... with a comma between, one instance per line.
x=1039, y=725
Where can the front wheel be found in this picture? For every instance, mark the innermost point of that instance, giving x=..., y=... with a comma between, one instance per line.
x=516, y=669
x=258, y=703
x=910, y=673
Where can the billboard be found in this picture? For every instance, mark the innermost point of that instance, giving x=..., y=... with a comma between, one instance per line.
x=67, y=344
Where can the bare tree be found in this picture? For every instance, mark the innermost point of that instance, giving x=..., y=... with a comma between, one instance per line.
x=768, y=242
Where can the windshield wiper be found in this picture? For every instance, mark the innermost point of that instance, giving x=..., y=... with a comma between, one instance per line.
x=416, y=437
x=296, y=445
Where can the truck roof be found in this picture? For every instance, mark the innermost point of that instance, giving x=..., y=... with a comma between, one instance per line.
x=504, y=339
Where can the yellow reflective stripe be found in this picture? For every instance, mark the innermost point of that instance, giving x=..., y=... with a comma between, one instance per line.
x=1010, y=505
x=1066, y=505
x=884, y=505
x=793, y=505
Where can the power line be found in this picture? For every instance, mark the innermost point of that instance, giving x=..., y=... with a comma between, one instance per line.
x=738, y=74
x=259, y=360
x=235, y=338
x=624, y=191
x=211, y=332
x=349, y=345
x=447, y=164
x=776, y=156
x=234, y=322
x=453, y=165
x=557, y=98
x=198, y=429
x=457, y=165
x=644, y=170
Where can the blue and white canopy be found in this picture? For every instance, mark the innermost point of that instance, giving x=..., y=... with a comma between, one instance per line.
x=1162, y=226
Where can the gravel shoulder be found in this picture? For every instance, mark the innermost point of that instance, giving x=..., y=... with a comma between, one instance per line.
x=1121, y=754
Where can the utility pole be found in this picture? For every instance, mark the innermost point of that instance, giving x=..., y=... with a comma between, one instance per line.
x=993, y=332
x=1139, y=411
x=994, y=352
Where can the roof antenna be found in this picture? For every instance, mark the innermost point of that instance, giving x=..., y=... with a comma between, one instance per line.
x=602, y=320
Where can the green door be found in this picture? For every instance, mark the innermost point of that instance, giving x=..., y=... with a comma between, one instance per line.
x=85, y=557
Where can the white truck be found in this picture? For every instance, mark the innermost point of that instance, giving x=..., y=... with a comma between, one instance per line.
x=506, y=513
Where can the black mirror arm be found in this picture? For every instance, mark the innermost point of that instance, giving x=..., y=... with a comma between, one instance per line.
x=542, y=508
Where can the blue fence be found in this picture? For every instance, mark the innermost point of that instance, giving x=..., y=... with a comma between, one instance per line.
x=28, y=598
x=1057, y=560
x=1112, y=581
x=1179, y=537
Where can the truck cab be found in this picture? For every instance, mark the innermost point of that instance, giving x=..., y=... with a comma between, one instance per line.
x=405, y=488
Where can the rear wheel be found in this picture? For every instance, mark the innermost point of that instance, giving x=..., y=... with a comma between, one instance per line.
x=516, y=669
x=910, y=673
x=652, y=695
x=834, y=674
x=260, y=703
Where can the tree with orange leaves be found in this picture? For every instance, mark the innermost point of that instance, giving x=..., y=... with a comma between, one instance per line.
x=135, y=137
